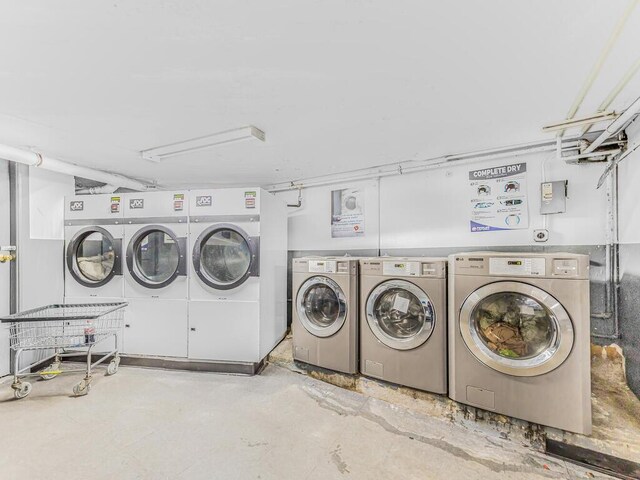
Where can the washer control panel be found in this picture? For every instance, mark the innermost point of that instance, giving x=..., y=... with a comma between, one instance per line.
x=401, y=269
x=529, y=267
x=565, y=267
x=323, y=266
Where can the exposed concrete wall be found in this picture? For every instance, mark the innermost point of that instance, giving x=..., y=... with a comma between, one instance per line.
x=629, y=227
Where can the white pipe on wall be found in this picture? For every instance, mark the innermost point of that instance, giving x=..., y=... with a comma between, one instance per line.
x=406, y=167
x=26, y=157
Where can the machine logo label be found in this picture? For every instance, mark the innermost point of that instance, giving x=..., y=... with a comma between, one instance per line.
x=76, y=206
x=136, y=203
x=204, y=201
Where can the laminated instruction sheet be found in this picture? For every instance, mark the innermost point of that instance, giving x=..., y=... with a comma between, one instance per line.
x=499, y=198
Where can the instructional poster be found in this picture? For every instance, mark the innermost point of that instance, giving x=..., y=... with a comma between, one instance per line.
x=347, y=213
x=499, y=198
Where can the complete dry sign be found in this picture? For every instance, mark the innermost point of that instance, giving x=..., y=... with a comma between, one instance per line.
x=499, y=198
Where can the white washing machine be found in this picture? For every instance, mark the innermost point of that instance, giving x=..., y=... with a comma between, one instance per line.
x=156, y=284
x=519, y=339
x=325, y=312
x=403, y=321
x=93, y=228
x=238, y=274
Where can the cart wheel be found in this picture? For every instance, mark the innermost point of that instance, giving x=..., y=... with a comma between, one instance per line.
x=23, y=390
x=81, y=388
x=51, y=368
x=112, y=369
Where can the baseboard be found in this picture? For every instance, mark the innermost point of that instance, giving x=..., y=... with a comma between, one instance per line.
x=601, y=462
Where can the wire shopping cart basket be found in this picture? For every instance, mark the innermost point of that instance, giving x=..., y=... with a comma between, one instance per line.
x=64, y=331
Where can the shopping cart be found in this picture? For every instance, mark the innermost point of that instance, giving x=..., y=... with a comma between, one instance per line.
x=63, y=331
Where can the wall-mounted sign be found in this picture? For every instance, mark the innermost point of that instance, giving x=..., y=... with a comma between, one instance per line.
x=347, y=213
x=499, y=198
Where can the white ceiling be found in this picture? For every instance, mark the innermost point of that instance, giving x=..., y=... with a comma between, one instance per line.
x=336, y=85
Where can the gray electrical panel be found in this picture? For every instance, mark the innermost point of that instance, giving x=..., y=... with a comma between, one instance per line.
x=553, y=197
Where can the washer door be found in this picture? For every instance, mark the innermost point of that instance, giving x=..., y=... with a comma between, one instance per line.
x=321, y=306
x=224, y=256
x=400, y=314
x=516, y=328
x=156, y=256
x=93, y=257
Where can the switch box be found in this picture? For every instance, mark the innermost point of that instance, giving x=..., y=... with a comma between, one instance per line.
x=553, y=197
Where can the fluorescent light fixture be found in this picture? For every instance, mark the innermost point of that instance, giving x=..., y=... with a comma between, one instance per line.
x=579, y=122
x=158, y=154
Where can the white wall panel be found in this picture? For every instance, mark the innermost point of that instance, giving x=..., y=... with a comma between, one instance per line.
x=46, y=203
x=310, y=225
x=431, y=209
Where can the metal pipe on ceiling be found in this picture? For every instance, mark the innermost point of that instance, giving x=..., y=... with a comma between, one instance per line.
x=615, y=126
x=595, y=70
x=97, y=190
x=418, y=166
x=616, y=91
x=26, y=157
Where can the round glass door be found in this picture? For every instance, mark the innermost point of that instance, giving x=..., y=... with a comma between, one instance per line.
x=156, y=257
x=516, y=328
x=400, y=314
x=95, y=257
x=225, y=257
x=321, y=306
x=92, y=257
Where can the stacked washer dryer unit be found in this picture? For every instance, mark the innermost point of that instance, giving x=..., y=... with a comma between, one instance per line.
x=519, y=339
x=156, y=286
x=93, y=249
x=238, y=276
x=403, y=321
x=325, y=312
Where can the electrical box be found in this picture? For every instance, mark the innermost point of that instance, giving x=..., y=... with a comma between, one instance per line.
x=553, y=197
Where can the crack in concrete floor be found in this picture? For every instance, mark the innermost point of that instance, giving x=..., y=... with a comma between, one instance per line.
x=544, y=466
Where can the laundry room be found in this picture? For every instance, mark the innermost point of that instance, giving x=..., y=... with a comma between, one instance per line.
x=318, y=240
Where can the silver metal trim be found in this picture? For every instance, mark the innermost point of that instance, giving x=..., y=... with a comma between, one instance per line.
x=94, y=221
x=311, y=327
x=374, y=324
x=138, y=221
x=543, y=363
x=224, y=218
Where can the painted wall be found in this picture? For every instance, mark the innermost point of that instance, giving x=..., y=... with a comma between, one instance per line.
x=4, y=267
x=40, y=198
x=431, y=209
x=41, y=253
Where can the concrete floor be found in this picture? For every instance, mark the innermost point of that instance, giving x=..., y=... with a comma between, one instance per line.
x=155, y=424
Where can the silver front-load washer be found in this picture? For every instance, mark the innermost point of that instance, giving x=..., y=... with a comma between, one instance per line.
x=325, y=312
x=403, y=327
x=519, y=339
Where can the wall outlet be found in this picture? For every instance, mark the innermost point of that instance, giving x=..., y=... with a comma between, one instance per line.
x=541, y=235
